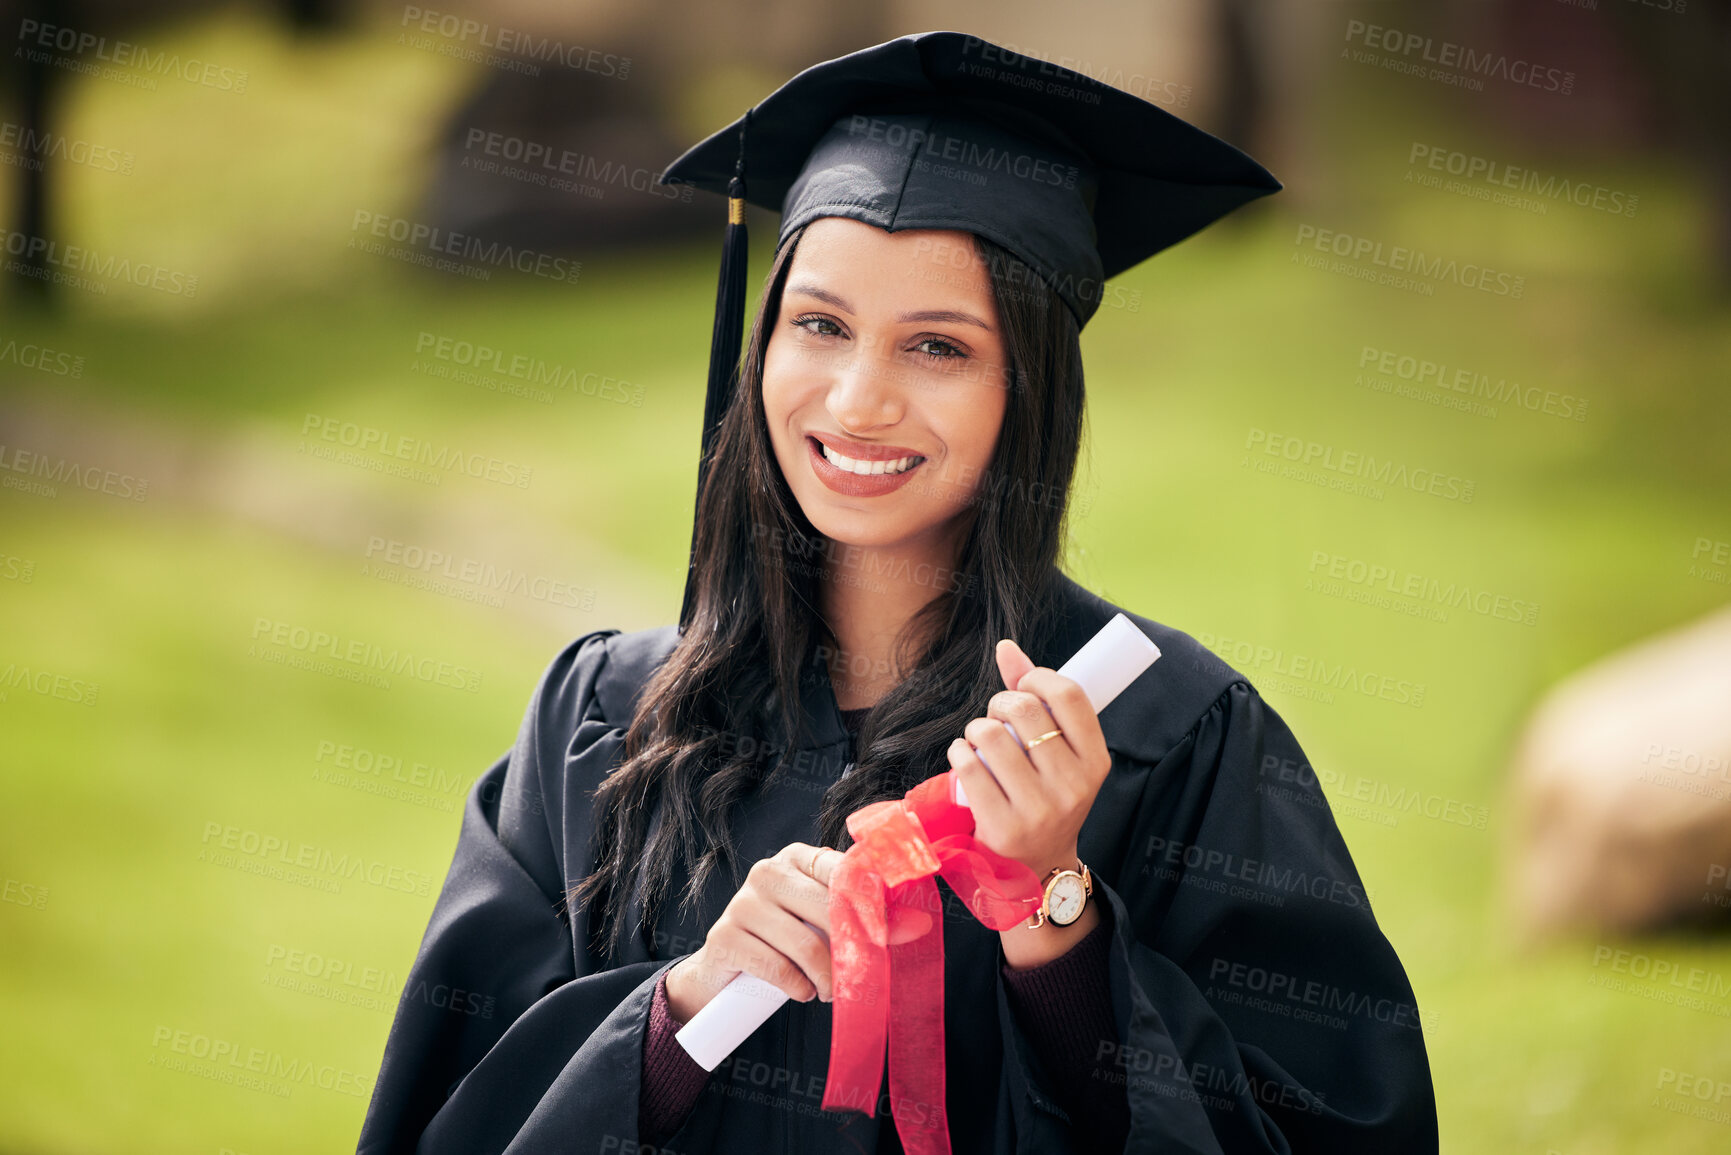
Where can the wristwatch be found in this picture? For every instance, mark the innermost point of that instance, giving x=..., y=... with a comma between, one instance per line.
x=1067, y=892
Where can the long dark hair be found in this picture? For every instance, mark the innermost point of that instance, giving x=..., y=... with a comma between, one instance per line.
x=699, y=741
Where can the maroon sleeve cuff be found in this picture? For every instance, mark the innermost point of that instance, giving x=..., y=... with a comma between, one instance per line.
x=672, y=1080
x=1065, y=1009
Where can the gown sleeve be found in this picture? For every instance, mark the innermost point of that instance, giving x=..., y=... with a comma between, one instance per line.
x=1258, y=1006
x=1064, y=1008
x=499, y=1042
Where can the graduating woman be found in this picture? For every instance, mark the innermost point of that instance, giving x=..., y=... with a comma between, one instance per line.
x=874, y=589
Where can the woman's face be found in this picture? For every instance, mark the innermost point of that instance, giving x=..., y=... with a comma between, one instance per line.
x=884, y=382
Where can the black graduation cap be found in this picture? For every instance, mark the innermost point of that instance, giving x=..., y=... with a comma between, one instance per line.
x=942, y=130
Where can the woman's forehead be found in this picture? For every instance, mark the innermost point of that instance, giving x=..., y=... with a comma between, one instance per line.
x=931, y=264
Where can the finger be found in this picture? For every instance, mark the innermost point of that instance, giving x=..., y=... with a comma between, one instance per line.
x=1071, y=709
x=824, y=864
x=795, y=941
x=1012, y=662
x=783, y=882
x=1030, y=718
x=985, y=797
x=751, y=954
x=1007, y=761
x=810, y=860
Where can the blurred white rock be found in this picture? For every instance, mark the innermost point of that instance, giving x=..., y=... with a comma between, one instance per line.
x=1621, y=789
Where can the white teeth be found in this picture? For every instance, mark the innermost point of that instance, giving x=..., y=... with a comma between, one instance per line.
x=868, y=468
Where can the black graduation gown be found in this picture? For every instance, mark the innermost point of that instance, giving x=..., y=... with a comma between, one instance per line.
x=1259, y=1007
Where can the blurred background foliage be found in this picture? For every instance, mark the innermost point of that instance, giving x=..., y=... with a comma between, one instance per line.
x=121, y=923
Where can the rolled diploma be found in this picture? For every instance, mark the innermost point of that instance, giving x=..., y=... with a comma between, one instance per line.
x=1110, y=661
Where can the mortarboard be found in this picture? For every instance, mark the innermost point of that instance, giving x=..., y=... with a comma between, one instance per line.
x=942, y=130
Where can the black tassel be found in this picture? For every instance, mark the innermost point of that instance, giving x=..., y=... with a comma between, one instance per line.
x=724, y=346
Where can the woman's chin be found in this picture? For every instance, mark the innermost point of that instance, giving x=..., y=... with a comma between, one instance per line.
x=888, y=529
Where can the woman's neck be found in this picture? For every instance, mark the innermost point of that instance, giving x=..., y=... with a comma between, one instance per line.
x=868, y=597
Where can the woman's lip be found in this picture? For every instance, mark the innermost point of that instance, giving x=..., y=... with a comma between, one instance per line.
x=864, y=451
x=856, y=484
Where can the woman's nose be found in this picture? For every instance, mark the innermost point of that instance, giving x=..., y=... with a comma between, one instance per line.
x=866, y=392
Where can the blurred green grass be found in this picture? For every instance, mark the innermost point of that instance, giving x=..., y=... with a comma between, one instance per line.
x=107, y=807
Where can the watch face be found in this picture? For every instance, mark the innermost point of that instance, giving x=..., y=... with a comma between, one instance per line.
x=1064, y=901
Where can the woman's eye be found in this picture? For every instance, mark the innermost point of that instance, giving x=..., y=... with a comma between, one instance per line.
x=818, y=326
x=938, y=348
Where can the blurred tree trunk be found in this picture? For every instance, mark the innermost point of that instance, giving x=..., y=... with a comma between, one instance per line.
x=36, y=84
x=1687, y=59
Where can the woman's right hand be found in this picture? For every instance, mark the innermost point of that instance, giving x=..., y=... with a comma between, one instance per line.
x=760, y=933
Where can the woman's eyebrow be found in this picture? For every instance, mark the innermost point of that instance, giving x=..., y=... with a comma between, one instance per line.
x=953, y=316
x=806, y=288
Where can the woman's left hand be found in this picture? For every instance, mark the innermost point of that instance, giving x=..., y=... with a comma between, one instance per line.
x=1030, y=805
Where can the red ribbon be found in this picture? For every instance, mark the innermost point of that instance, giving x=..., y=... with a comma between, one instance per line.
x=880, y=892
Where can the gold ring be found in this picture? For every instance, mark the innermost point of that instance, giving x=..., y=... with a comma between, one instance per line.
x=1046, y=737
x=816, y=854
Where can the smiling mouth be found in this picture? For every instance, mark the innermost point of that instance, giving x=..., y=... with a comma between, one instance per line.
x=868, y=468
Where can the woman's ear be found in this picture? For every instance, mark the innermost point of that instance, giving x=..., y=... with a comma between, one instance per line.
x=1013, y=664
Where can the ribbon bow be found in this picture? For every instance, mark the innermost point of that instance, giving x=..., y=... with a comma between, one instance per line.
x=886, y=921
